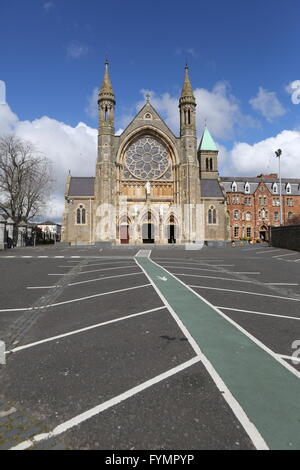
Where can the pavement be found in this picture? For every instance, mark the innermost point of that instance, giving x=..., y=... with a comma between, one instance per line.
x=150, y=348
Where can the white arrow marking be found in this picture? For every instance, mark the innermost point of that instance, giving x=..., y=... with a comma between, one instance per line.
x=164, y=278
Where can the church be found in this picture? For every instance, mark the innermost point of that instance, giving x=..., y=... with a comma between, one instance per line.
x=150, y=186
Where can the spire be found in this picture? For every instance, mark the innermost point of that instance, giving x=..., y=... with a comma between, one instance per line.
x=207, y=142
x=106, y=90
x=187, y=90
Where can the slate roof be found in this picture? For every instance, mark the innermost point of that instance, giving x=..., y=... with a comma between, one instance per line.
x=81, y=186
x=255, y=181
x=210, y=188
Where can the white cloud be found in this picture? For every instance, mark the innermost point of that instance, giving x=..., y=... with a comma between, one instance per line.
x=267, y=103
x=67, y=147
x=48, y=6
x=76, y=50
x=218, y=107
x=251, y=160
x=92, y=106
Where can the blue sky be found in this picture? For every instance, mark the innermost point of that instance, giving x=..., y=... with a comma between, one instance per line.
x=242, y=56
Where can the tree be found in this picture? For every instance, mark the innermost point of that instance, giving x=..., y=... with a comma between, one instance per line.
x=25, y=179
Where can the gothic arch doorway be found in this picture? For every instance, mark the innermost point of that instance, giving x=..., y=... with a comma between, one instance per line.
x=172, y=229
x=263, y=233
x=148, y=228
x=124, y=230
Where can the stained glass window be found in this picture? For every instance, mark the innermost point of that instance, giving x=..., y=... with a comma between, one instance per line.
x=147, y=159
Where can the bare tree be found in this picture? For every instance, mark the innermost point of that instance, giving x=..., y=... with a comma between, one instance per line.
x=25, y=179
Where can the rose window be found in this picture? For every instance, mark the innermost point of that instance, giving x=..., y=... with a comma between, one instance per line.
x=147, y=159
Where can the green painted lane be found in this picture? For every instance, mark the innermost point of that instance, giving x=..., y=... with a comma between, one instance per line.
x=268, y=392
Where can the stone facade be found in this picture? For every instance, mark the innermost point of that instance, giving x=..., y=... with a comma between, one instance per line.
x=150, y=186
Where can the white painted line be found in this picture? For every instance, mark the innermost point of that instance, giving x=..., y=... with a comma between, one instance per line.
x=292, y=358
x=296, y=260
x=2, y=355
x=246, y=292
x=236, y=408
x=95, y=295
x=144, y=253
x=81, y=330
x=213, y=277
x=8, y=256
x=43, y=256
x=75, y=256
x=184, y=267
x=60, y=274
x=99, y=264
x=288, y=254
x=244, y=272
x=58, y=256
x=259, y=313
x=253, y=338
x=104, y=406
x=267, y=251
x=107, y=269
x=26, y=256
x=74, y=300
x=103, y=278
x=281, y=284
x=42, y=287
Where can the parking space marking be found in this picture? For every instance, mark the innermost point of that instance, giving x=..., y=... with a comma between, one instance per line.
x=281, y=284
x=292, y=358
x=71, y=423
x=183, y=267
x=107, y=269
x=103, y=278
x=246, y=292
x=266, y=251
x=262, y=382
x=288, y=254
x=81, y=330
x=41, y=287
x=258, y=313
x=74, y=300
x=214, y=277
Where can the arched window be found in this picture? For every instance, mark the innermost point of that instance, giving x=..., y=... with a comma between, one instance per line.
x=290, y=215
x=288, y=189
x=234, y=187
x=189, y=116
x=212, y=215
x=210, y=163
x=81, y=215
x=236, y=215
x=207, y=163
x=248, y=216
x=247, y=188
x=275, y=188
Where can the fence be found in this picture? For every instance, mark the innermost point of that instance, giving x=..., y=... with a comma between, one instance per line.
x=287, y=236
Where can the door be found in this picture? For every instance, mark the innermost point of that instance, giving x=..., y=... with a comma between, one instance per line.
x=124, y=234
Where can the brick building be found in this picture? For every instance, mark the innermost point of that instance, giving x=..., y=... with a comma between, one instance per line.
x=253, y=204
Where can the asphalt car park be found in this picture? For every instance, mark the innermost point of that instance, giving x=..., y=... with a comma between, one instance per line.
x=113, y=349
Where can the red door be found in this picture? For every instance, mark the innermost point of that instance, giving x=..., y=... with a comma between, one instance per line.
x=124, y=234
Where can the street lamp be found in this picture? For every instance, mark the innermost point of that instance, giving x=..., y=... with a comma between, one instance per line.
x=278, y=154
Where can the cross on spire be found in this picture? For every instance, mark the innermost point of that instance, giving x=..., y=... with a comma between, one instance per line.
x=148, y=96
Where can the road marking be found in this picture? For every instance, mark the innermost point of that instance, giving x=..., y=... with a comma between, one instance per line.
x=144, y=253
x=281, y=284
x=107, y=269
x=81, y=330
x=288, y=254
x=74, y=300
x=238, y=411
x=184, y=267
x=42, y=287
x=100, y=264
x=162, y=278
x=267, y=251
x=259, y=313
x=292, y=358
x=260, y=381
x=212, y=277
x=244, y=272
x=103, y=278
x=106, y=405
x=246, y=292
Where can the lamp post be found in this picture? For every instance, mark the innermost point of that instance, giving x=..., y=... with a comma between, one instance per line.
x=278, y=154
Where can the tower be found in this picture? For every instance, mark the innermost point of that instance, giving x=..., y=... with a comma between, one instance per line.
x=208, y=156
x=190, y=189
x=105, y=188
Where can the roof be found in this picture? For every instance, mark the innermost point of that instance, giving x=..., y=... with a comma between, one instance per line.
x=207, y=142
x=210, y=188
x=81, y=186
x=255, y=181
x=187, y=90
